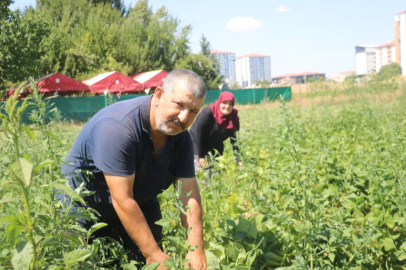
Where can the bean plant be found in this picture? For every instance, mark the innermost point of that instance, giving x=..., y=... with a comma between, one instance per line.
x=321, y=187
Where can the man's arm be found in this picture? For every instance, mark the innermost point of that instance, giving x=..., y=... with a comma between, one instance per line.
x=131, y=216
x=193, y=219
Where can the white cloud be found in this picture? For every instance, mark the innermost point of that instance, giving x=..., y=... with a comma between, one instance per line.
x=283, y=9
x=240, y=24
x=323, y=53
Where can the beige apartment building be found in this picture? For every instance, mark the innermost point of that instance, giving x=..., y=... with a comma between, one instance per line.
x=400, y=39
x=385, y=55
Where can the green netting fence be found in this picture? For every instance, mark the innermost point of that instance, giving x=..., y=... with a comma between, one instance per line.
x=83, y=108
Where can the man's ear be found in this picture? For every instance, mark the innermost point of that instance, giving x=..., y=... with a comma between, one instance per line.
x=158, y=95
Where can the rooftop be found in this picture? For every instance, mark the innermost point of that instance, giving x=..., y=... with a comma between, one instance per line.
x=368, y=46
x=298, y=74
x=388, y=44
x=97, y=78
x=145, y=76
x=253, y=55
x=403, y=12
x=219, y=51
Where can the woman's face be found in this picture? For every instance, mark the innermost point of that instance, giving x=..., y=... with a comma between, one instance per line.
x=226, y=107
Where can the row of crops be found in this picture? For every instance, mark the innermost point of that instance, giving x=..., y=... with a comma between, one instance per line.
x=322, y=187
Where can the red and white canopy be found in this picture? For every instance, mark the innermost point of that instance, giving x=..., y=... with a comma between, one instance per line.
x=114, y=82
x=54, y=82
x=151, y=79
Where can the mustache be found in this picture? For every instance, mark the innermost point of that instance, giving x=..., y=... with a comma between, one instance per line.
x=177, y=122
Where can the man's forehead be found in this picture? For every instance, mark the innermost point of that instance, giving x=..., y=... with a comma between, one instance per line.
x=187, y=98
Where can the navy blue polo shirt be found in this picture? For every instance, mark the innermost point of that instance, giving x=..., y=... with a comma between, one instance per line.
x=117, y=141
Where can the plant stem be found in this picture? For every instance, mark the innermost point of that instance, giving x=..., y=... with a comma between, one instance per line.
x=29, y=226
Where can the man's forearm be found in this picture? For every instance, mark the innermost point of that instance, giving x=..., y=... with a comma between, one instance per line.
x=194, y=220
x=194, y=215
x=137, y=227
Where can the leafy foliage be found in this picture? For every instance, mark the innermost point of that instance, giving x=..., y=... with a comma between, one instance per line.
x=322, y=187
x=82, y=38
x=262, y=84
x=388, y=71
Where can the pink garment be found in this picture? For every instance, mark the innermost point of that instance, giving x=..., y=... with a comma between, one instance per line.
x=226, y=121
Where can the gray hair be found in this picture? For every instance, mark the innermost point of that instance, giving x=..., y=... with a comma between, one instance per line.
x=192, y=80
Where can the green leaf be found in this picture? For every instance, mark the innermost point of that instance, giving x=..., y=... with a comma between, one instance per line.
x=22, y=256
x=128, y=266
x=349, y=201
x=13, y=230
x=152, y=266
x=400, y=255
x=212, y=261
x=96, y=227
x=69, y=191
x=22, y=170
x=235, y=250
x=53, y=136
x=29, y=132
x=331, y=256
x=189, y=230
x=43, y=164
x=76, y=255
x=8, y=218
x=245, y=226
x=356, y=240
x=173, y=239
x=387, y=243
x=164, y=222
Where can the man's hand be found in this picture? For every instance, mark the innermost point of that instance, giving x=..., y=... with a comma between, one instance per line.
x=197, y=259
x=158, y=257
x=203, y=163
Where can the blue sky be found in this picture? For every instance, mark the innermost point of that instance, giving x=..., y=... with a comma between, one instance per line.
x=313, y=35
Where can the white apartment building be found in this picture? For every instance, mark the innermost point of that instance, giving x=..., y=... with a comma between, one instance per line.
x=385, y=55
x=252, y=68
x=365, y=59
x=227, y=64
x=400, y=39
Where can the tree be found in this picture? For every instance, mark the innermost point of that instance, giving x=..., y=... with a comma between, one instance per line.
x=5, y=10
x=263, y=84
x=205, y=46
x=82, y=38
x=388, y=71
x=21, y=47
x=203, y=66
x=351, y=79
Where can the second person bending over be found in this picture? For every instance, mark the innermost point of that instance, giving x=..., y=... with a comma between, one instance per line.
x=215, y=124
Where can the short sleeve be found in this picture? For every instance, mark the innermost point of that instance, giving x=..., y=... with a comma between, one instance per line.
x=112, y=147
x=185, y=165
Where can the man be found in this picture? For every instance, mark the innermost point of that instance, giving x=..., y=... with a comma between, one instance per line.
x=135, y=149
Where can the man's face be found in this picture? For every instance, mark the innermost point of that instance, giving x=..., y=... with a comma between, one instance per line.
x=176, y=111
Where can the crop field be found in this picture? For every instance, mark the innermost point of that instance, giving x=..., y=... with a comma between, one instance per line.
x=321, y=187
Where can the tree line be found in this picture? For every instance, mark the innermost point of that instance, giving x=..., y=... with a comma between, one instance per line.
x=82, y=38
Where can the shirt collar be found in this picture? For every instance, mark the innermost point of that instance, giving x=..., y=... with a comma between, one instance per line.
x=145, y=105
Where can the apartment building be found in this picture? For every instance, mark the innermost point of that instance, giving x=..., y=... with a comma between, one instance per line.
x=252, y=68
x=365, y=59
x=227, y=64
x=400, y=40
x=385, y=55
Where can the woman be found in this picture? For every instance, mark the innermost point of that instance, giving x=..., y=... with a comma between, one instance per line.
x=215, y=124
